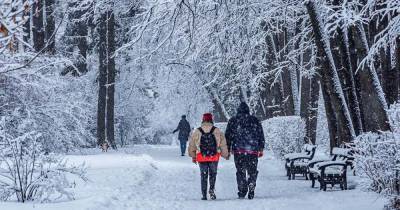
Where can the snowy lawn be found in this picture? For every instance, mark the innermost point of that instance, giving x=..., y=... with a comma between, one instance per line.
x=156, y=177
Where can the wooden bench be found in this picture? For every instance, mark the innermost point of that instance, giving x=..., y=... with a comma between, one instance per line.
x=297, y=163
x=333, y=171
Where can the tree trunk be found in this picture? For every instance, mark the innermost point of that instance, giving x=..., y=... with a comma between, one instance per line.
x=390, y=77
x=329, y=76
x=397, y=55
x=286, y=79
x=37, y=28
x=102, y=79
x=110, y=23
x=330, y=116
x=220, y=113
x=348, y=74
x=373, y=99
x=309, y=107
x=76, y=39
x=27, y=25
x=50, y=26
x=272, y=93
x=354, y=66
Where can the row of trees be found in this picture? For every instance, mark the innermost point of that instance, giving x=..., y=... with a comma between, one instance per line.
x=280, y=55
x=30, y=26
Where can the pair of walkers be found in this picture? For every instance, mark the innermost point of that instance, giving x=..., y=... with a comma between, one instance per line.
x=243, y=138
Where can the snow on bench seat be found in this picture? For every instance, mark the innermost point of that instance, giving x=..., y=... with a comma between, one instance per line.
x=342, y=152
x=296, y=155
x=332, y=167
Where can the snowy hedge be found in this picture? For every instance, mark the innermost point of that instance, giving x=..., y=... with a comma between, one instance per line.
x=394, y=117
x=284, y=134
x=378, y=161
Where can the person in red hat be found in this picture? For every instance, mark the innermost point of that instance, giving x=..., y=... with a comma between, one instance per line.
x=206, y=145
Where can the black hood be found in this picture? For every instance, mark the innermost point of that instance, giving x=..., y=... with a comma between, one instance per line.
x=243, y=109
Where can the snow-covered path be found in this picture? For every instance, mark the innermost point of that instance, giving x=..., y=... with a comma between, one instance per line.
x=156, y=177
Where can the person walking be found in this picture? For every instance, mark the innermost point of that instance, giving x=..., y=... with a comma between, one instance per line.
x=245, y=139
x=184, y=132
x=206, y=145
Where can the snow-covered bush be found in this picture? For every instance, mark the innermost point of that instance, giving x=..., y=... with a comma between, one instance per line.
x=61, y=108
x=378, y=159
x=394, y=117
x=27, y=173
x=13, y=15
x=284, y=134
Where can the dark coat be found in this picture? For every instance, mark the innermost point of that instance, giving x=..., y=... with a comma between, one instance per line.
x=184, y=130
x=244, y=132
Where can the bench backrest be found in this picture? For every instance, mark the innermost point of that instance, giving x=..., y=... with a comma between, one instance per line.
x=309, y=149
x=342, y=153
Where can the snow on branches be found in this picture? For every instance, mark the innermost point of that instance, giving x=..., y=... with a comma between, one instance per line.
x=378, y=159
x=40, y=99
x=12, y=19
x=27, y=173
x=284, y=134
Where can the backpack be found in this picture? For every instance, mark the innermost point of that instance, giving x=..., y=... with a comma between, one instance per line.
x=208, y=143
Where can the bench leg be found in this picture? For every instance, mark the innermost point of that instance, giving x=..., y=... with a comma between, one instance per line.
x=322, y=184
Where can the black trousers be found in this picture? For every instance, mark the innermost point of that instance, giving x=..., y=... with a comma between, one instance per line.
x=246, y=172
x=183, y=143
x=208, y=172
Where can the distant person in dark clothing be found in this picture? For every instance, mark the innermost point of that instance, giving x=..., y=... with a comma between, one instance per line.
x=245, y=139
x=184, y=132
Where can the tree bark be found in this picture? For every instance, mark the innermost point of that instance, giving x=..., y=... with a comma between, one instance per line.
x=27, y=25
x=309, y=107
x=220, y=113
x=390, y=77
x=271, y=92
x=50, y=26
x=286, y=79
x=76, y=39
x=110, y=23
x=330, y=116
x=102, y=80
x=329, y=76
x=348, y=74
x=37, y=28
x=397, y=55
x=373, y=99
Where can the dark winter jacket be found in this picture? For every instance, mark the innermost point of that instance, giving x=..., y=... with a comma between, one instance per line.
x=184, y=130
x=244, y=133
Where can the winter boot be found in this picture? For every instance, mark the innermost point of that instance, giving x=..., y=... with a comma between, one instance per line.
x=204, y=198
x=212, y=195
x=241, y=195
x=251, y=191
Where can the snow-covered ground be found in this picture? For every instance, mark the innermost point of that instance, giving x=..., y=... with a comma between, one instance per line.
x=156, y=177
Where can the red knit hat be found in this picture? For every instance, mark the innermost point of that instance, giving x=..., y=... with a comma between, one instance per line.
x=207, y=117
